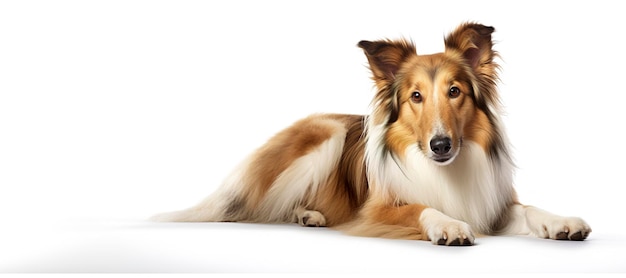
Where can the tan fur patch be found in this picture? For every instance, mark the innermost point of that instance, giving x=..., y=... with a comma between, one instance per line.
x=480, y=130
x=281, y=150
x=379, y=218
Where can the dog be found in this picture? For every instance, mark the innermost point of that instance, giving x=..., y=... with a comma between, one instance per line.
x=430, y=162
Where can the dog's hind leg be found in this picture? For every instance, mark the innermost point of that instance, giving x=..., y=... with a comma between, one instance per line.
x=278, y=178
x=309, y=218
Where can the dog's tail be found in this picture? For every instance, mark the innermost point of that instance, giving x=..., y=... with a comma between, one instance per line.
x=210, y=209
x=224, y=205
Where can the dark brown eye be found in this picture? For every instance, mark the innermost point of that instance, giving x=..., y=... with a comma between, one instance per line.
x=454, y=92
x=416, y=97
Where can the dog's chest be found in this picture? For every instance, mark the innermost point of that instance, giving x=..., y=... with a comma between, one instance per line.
x=472, y=188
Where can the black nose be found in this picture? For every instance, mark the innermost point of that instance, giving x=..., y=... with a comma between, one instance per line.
x=441, y=145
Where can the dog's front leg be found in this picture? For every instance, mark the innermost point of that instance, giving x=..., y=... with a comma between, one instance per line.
x=528, y=220
x=411, y=221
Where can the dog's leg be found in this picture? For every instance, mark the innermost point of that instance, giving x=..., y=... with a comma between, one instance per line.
x=309, y=218
x=528, y=220
x=414, y=221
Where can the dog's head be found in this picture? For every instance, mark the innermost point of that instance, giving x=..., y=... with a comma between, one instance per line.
x=435, y=101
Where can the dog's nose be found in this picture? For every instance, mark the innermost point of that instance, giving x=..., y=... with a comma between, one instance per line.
x=441, y=145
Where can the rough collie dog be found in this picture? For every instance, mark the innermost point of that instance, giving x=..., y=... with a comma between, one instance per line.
x=431, y=162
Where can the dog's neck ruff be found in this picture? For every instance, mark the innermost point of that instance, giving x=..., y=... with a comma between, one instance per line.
x=473, y=188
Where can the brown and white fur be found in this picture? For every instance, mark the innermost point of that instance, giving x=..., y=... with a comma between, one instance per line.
x=431, y=162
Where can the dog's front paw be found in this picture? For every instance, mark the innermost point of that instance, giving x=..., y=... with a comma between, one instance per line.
x=566, y=228
x=547, y=225
x=453, y=233
x=444, y=230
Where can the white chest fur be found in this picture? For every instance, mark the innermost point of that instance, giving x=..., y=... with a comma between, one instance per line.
x=472, y=188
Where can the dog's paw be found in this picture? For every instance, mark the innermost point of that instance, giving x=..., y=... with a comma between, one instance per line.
x=444, y=230
x=452, y=233
x=547, y=225
x=311, y=218
x=565, y=228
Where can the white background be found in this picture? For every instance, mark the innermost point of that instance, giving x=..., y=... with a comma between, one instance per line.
x=111, y=111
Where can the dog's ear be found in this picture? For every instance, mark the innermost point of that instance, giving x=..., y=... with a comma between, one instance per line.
x=385, y=58
x=473, y=42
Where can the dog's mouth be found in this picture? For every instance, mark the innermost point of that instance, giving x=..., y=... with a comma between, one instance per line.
x=443, y=159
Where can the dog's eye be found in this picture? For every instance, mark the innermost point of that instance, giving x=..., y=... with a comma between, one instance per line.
x=416, y=97
x=454, y=92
